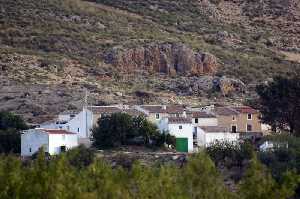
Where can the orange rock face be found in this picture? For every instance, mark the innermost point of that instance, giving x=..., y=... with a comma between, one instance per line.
x=163, y=58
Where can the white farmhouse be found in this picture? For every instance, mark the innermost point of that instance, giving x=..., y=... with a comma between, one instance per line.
x=202, y=118
x=54, y=141
x=80, y=123
x=182, y=129
x=207, y=135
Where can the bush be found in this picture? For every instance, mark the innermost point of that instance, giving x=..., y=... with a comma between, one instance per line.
x=10, y=137
x=230, y=154
x=80, y=157
x=199, y=178
x=121, y=129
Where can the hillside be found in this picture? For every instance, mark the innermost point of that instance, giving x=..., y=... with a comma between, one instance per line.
x=133, y=51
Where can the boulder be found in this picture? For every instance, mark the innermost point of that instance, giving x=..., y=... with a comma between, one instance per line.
x=167, y=58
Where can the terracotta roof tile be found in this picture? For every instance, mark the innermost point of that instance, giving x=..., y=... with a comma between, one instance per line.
x=179, y=120
x=202, y=114
x=154, y=109
x=227, y=111
x=214, y=129
x=164, y=109
x=133, y=112
x=245, y=109
x=105, y=109
x=57, y=131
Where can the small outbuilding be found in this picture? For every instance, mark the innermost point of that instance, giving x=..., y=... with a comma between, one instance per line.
x=207, y=135
x=53, y=141
x=182, y=129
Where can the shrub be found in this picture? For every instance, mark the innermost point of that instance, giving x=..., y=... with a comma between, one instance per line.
x=120, y=129
x=80, y=157
x=10, y=137
x=230, y=154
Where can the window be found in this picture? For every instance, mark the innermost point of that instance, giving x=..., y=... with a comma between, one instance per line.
x=72, y=116
x=195, y=133
x=30, y=150
x=177, y=114
x=63, y=149
x=180, y=127
x=78, y=130
x=249, y=127
x=233, y=118
x=249, y=116
x=157, y=115
x=196, y=120
x=233, y=129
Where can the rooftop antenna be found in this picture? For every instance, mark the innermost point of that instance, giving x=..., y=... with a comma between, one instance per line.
x=85, y=104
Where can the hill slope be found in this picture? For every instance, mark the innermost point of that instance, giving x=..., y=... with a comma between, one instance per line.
x=52, y=50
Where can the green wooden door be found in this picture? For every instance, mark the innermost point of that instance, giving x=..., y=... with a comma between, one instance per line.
x=182, y=144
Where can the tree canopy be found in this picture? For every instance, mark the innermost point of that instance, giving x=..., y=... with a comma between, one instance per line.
x=198, y=179
x=122, y=129
x=279, y=103
x=10, y=127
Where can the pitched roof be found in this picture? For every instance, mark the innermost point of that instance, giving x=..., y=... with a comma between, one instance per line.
x=202, y=114
x=133, y=112
x=154, y=109
x=69, y=112
x=164, y=109
x=179, y=120
x=105, y=109
x=245, y=109
x=57, y=131
x=214, y=129
x=175, y=109
x=227, y=111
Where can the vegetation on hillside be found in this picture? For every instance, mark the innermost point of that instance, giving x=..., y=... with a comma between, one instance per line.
x=279, y=104
x=57, y=178
x=84, y=31
x=281, y=161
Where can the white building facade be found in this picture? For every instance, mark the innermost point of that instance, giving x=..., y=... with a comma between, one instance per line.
x=53, y=141
x=208, y=135
x=201, y=118
x=182, y=129
x=80, y=123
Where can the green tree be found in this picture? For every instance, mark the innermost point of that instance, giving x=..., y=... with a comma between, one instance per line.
x=11, y=177
x=201, y=179
x=258, y=183
x=10, y=127
x=120, y=129
x=279, y=103
x=80, y=157
x=111, y=131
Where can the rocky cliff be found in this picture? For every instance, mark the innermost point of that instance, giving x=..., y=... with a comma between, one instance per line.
x=52, y=51
x=168, y=58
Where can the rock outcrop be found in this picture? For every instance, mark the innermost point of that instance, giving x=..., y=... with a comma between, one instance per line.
x=168, y=58
x=206, y=84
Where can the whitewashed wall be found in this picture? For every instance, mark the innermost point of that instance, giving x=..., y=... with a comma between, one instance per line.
x=206, y=139
x=58, y=140
x=34, y=139
x=81, y=124
x=173, y=129
x=206, y=122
